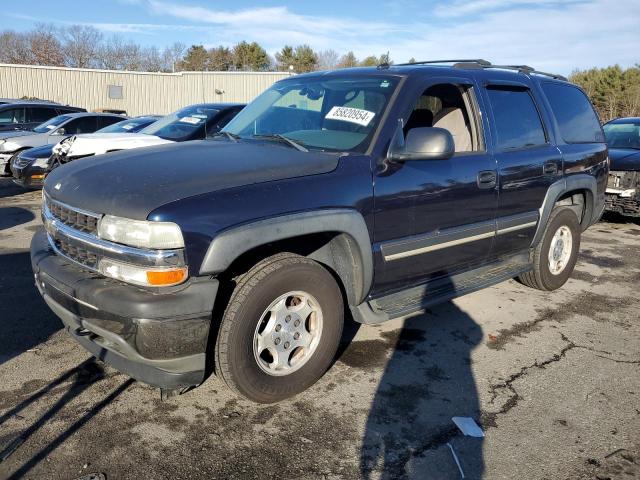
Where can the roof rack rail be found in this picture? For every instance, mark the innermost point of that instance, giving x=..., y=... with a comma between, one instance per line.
x=480, y=63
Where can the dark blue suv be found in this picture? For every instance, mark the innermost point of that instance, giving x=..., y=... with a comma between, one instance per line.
x=373, y=192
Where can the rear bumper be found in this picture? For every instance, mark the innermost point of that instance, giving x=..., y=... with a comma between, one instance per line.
x=157, y=338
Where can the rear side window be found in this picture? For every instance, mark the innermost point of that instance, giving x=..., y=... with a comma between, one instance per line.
x=40, y=114
x=81, y=125
x=576, y=118
x=518, y=123
x=106, y=121
x=13, y=115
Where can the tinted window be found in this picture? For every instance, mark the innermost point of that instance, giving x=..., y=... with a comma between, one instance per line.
x=622, y=135
x=576, y=118
x=517, y=121
x=185, y=124
x=40, y=114
x=106, y=121
x=12, y=115
x=80, y=125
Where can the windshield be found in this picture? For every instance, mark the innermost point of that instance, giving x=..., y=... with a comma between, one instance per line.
x=622, y=135
x=127, y=126
x=51, y=124
x=339, y=114
x=183, y=124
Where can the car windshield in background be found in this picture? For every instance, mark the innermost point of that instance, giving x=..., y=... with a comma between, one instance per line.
x=127, y=126
x=339, y=114
x=51, y=124
x=622, y=135
x=181, y=125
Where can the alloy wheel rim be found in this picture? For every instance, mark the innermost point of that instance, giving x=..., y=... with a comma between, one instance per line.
x=288, y=333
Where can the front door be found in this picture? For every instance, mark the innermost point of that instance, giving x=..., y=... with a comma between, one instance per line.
x=434, y=218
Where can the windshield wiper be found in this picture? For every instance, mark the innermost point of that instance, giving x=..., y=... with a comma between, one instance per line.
x=231, y=136
x=283, y=139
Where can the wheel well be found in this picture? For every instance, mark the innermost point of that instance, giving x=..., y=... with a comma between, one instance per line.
x=335, y=251
x=580, y=202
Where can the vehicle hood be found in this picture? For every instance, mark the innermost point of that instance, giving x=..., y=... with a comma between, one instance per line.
x=98, y=143
x=28, y=140
x=624, y=159
x=15, y=133
x=44, y=151
x=133, y=183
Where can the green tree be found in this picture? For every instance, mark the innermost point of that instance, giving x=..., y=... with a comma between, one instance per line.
x=615, y=92
x=305, y=59
x=220, y=59
x=348, y=60
x=370, y=61
x=250, y=56
x=196, y=59
x=285, y=58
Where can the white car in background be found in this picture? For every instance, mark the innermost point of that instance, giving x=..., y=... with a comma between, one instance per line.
x=190, y=123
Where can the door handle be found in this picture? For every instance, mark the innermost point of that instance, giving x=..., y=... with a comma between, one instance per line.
x=550, y=168
x=487, y=179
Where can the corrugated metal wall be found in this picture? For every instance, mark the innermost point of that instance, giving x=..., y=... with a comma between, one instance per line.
x=143, y=92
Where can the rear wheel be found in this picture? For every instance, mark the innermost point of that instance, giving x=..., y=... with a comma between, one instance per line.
x=281, y=328
x=555, y=256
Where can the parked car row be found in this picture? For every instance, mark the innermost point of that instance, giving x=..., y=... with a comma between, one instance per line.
x=30, y=154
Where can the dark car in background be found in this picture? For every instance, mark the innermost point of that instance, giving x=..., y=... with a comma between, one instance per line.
x=30, y=167
x=27, y=114
x=51, y=132
x=623, y=188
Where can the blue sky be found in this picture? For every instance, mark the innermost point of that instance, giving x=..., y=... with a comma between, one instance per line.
x=547, y=34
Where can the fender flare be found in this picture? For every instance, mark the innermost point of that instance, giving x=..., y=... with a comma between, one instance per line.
x=231, y=243
x=556, y=190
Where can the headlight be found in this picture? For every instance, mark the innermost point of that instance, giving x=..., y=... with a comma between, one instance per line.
x=145, y=276
x=42, y=162
x=137, y=233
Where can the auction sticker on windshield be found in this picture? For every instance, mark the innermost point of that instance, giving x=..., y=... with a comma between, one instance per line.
x=350, y=114
x=193, y=120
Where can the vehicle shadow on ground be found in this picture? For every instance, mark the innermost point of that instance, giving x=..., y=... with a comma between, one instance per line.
x=427, y=381
x=14, y=216
x=26, y=320
x=82, y=378
x=9, y=189
x=612, y=217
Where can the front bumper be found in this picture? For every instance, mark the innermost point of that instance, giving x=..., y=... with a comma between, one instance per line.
x=4, y=164
x=157, y=338
x=28, y=176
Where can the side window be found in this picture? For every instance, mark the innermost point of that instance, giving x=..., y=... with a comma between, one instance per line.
x=40, y=114
x=517, y=121
x=576, y=118
x=447, y=106
x=81, y=125
x=13, y=115
x=106, y=121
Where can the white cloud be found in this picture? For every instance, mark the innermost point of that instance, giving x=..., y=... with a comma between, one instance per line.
x=548, y=34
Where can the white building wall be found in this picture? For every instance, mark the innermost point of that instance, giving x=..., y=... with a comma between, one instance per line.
x=143, y=92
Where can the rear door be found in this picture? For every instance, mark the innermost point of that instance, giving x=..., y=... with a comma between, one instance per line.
x=528, y=162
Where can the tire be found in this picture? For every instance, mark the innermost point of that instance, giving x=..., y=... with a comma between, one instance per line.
x=542, y=277
x=240, y=358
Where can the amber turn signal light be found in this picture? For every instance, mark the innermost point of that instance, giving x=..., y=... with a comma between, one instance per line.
x=166, y=277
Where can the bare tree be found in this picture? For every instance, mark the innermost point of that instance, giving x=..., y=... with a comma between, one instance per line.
x=81, y=46
x=44, y=46
x=14, y=48
x=328, y=59
x=172, y=55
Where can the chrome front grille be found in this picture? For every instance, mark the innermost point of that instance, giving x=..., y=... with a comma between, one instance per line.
x=77, y=253
x=77, y=219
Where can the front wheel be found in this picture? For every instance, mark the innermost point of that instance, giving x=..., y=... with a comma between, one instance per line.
x=555, y=256
x=281, y=328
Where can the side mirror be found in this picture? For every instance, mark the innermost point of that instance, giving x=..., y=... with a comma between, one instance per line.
x=423, y=143
x=60, y=131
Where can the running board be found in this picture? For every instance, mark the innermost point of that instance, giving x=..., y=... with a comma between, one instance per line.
x=419, y=298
